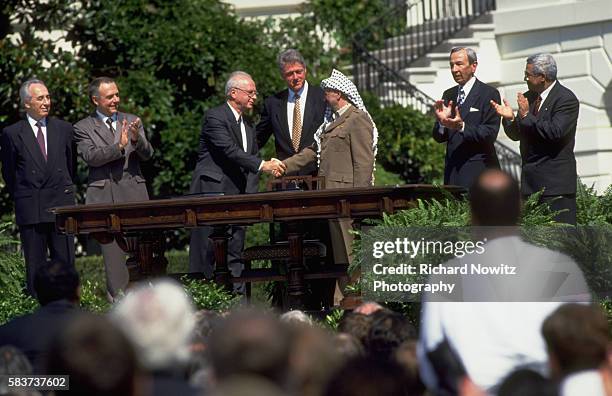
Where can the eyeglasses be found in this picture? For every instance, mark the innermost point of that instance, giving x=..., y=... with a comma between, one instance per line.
x=250, y=94
x=527, y=75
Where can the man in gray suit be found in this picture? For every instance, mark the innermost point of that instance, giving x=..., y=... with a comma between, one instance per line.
x=112, y=144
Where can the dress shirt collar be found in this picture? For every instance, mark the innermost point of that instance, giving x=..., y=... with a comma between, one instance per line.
x=105, y=117
x=302, y=92
x=33, y=122
x=467, y=87
x=236, y=114
x=341, y=111
x=544, y=94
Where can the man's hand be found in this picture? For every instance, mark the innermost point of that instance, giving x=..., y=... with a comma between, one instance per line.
x=123, y=140
x=523, y=105
x=134, y=127
x=503, y=110
x=455, y=123
x=274, y=167
x=442, y=111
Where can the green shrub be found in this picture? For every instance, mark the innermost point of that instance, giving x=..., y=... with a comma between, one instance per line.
x=210, y=296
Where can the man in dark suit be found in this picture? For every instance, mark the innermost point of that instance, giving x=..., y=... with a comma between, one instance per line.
x=227, y=160
x=112, y=144
x=38, y=168
x=57, y=291
x=293, y=114
x=466, y=122
x=546, y=127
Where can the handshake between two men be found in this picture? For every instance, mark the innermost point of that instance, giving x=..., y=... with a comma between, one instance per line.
x=274, y=167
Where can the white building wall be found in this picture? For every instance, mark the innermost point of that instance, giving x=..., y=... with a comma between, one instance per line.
x=579, y=35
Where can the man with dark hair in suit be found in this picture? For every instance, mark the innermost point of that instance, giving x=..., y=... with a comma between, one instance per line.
x=58, y=292
x=227, y=160
x=466, y=122
x=546, y=127
x=38, y=168
x=112, y=144
x=293, y=114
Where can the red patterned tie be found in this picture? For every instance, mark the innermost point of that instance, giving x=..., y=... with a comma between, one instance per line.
x=40, y=138
x=536, y=105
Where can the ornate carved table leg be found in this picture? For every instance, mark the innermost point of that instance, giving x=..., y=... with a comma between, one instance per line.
x=296, y=287
x=222, y=275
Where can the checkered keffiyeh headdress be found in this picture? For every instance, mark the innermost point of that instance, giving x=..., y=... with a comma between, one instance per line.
x=339, y=82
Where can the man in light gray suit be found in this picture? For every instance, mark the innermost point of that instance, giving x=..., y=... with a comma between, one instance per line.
x=112, y=144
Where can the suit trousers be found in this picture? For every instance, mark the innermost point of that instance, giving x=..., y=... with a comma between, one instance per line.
x=39, y=239
x=117, y=274
x=202, y=255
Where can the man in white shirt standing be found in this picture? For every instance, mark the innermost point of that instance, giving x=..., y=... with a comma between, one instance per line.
x=38, y=169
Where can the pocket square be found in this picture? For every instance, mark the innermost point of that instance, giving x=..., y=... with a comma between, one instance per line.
x=473, y=109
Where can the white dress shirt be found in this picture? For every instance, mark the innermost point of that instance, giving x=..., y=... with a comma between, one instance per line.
x=105, y=117
x=43, y=127
x=544, y=94
x=242, y=127
x=291, y=106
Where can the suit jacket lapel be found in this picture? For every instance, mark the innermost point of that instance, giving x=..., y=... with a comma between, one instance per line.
x=470, y=99
x=53, y=144
x=29, y=141
x=549, y=99
x=282, y=115
x=101, y=129
x=250, y=134
x=234, y=126
x=308, y=112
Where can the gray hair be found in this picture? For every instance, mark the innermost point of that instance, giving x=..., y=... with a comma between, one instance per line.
x=544, y=64
x=24, y=90
x=94, y=87
x=288, y=57
x=159, y=320
x=235, y=79
x=471, y=54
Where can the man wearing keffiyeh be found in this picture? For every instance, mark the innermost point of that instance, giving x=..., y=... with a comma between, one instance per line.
x=345, y=149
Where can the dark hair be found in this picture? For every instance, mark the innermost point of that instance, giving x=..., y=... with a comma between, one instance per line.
x=96, y=355
x=94, y=86
x=524, y=382
x=368, y=377
x=388, y=331
x=495, y=202
x=249, y=342
x=577, y=337
x=56, y=281
x=357, y=325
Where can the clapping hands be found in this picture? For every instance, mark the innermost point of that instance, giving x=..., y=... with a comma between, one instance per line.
x=444, y=115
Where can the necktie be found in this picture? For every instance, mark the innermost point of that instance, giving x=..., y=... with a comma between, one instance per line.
x=536, y=105
x=296, y=130
x=461, y=97
x=40, y=138
x=109, y=122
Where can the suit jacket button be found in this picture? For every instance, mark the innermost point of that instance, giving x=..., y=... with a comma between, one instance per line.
x=33, y=172
x=66, y=191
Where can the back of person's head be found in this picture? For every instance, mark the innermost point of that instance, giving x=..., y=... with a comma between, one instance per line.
x=296, y=318
x=97, y=357
x=348, y=346
x=406, y=357
x=250, y=343
x=56, y=281
x=241, y=385
x=388, y=331
x=368, y=377
x=526, y=382
x=159, y=320
x=357, y=325
x=577, y=338
x=312, y=359
x=13, y=363
x=495, y=199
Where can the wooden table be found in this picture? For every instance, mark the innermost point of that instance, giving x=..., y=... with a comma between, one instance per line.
x=146, y=219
